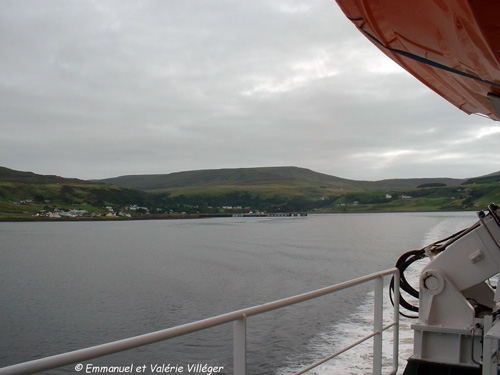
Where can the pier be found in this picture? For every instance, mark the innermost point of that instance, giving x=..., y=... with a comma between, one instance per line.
x=272, y=214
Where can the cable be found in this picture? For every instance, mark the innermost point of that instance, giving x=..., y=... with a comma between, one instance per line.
x=410, y=257
x=392, y=302
x=450, y=239
x=402, y=264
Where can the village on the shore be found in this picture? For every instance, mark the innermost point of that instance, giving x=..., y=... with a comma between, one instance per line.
x=78, y=212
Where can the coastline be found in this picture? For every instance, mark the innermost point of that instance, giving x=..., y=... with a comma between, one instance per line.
x=207, y=216
x=115, y=218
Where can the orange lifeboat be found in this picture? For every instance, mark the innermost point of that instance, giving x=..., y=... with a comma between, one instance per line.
x=452, y=46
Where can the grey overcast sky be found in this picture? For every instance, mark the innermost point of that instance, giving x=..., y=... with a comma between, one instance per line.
x=103, y=88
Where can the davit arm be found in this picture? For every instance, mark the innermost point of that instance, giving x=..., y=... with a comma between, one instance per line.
x=457, y=306
x=453, y=287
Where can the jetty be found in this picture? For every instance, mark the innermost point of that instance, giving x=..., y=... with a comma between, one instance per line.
x=272, y=214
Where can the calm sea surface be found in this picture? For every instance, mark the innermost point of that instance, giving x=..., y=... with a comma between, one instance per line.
x=68, y=285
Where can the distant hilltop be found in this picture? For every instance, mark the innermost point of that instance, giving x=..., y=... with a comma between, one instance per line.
x=272, y=176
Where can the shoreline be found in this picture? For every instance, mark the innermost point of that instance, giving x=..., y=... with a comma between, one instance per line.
x=203, y=216
x=117, y=218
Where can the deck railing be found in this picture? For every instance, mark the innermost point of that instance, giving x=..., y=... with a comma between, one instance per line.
x=239, y=319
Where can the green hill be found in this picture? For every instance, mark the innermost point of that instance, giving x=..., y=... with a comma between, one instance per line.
x=285, y=177
x=492, y=177
x=271, y=176
x=295, y=189
x=26, y=195
x=12, y=175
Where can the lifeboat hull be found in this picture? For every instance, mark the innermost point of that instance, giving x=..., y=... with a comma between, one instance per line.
x=452, y=46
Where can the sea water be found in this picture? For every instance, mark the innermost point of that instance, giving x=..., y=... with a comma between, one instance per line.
x=69, y=285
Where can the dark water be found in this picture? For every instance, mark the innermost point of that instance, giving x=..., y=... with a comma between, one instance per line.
x=65, y=286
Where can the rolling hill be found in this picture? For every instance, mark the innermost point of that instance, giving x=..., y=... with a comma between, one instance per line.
x=12, y=175
x=24, y=195
x=261, y=177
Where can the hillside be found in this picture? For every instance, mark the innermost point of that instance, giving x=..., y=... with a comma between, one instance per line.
x=300, y=189
x=275, y=176
x=12, y=175
x=492, y=177
x=25, y=194
x=28, y=196
x=286, y=177
x=411, y=183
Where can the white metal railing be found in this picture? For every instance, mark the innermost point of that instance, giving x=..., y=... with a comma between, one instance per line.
x=239, y=318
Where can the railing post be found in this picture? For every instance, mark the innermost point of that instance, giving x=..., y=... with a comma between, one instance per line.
x=240, y=346
x=395, y=344
x=378, y=325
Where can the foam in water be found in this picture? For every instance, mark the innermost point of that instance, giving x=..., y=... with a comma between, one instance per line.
x=359, y=360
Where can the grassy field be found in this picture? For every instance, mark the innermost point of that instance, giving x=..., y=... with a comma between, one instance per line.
x=449, y=198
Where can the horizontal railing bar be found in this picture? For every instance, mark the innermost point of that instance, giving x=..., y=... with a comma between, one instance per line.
x=389, y=326
x=336, y=354
x=81, y=355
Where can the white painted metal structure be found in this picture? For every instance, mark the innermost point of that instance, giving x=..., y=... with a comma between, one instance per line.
x=457, y=306
x=239, y=319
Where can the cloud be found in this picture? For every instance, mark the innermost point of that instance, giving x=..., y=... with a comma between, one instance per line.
x=104, y=88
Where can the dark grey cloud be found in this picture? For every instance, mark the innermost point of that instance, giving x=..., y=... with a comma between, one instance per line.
x=104, y=88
